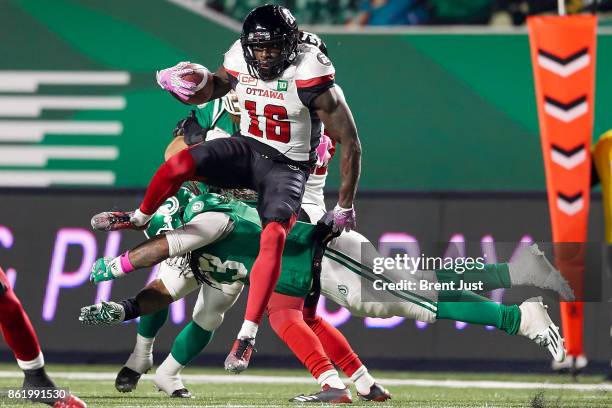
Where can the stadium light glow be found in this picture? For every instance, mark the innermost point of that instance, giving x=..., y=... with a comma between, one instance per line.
x=58, y=277
x=112, y=250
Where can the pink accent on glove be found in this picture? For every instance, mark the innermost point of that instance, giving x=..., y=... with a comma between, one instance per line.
x=126, y=265
x=345, y=219
x=323, y=155
x=171, y=80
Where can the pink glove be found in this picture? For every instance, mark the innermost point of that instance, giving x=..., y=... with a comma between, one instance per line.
x=344, y=219
x=323, y=155
x=171, y=80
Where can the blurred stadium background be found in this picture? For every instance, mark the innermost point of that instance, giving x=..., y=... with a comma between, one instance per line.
x=446, y=114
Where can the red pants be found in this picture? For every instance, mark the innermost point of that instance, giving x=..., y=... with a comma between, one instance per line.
x=285, y=315
x=15, y=324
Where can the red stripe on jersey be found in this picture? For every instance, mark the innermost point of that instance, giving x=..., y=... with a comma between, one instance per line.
x=232, y=73
x=308, y=83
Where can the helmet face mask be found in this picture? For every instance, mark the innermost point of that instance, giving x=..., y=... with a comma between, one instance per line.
x=272, y=30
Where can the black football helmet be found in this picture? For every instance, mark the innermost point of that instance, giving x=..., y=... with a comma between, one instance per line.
x=306, y=37
x=274, y=26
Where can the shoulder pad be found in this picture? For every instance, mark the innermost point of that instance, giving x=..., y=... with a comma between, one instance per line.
x=233, y=61
x=170, y=215
x=312, y=63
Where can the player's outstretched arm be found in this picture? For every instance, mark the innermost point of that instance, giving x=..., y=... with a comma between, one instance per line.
x=202, y=230
x=149, y=253
x=338, y=120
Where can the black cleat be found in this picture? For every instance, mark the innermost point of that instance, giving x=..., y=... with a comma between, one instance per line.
x=127, y=380
x=377, y=393
x=327, y=394
x=182, y=393
x=238, y=359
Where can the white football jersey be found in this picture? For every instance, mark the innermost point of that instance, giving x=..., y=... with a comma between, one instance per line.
x=277, y=112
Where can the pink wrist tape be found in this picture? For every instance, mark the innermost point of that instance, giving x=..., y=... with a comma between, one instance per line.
x=126, y=265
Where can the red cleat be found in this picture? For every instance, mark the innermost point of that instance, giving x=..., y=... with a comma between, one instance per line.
x=71, y=401
x=113, y=221
x=377, y=393
x=238, y=359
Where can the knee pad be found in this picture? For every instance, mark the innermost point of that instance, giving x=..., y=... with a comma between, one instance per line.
x=208, y=319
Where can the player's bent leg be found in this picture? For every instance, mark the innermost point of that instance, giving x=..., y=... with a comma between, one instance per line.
x=20, y=336
x=166, y=182
x=140, y=360
x=280, y=188
x=264, y=275
x=208, y=315
x=18, y=330
x=221, y=162
x=530, y=319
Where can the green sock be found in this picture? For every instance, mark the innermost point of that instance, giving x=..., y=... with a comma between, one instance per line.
x=466, y=306
x=150, y=324
x=492, y=276
x=190, y=342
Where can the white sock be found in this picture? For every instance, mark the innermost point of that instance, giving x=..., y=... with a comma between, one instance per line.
x=167, y=377
x=248, y=330
x=144, y=345
x=170, y=366
x=141, y=358
x=332, y=379
x=139, y=218
x=38, y=362
x=363, y=380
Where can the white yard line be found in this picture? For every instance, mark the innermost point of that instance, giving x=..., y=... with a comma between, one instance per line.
x=32, y=106
x=35, y=130
x=46, y=178
x=264, y=379
x=27, y=155
x=29, y=81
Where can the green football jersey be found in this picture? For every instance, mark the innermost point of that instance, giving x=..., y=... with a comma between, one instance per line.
x=232, y=257
x=212, y=114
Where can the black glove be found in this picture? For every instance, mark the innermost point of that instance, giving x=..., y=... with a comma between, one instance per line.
x=324, y=230
x=3, y=288
x=190, y=129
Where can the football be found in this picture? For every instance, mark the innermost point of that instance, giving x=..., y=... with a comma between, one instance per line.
x=203, y=78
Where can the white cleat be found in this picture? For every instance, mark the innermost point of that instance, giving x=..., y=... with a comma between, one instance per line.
x=171, y=384
x=537, y=326
x=531, y=267
x=168, y=379
x=570, y=364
